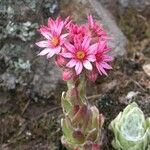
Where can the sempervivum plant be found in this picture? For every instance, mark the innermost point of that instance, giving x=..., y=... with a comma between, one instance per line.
x=131, y=129
x=81, y=51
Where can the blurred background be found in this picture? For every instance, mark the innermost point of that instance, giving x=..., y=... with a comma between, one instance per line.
x=31, y=86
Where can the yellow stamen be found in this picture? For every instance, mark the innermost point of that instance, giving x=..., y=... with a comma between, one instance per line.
x=80, y=54
x=54, y=41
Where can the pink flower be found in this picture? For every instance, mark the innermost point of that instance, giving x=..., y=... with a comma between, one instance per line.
x=76, y=31
x=102, y=58
x=92, y=75
x=67, y=22
x=96, y=29
x=80, y=54
x=55, y=26
x=54, y=38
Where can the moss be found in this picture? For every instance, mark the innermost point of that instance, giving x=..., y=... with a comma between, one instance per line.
x=24, y=31
x=32, y=4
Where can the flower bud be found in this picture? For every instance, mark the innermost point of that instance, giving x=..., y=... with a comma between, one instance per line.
x=76, y=108
x=90, y=146
x=101, y=119
x=60, y=61
x=68, y=74
x=92, y=75
x=80, y=115
x=95, y=147
x=78, y=135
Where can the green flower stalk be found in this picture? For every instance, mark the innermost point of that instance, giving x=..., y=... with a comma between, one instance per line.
x=82, y=123
x=131, y=129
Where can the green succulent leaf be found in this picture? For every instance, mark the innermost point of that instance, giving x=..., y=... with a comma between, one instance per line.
x=148, y=122
x=67, y=129
x=70, y=134
x=66, y=105
x=95, y=114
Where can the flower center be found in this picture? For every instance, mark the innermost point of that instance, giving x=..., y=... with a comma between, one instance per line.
x=80, y=54
x=54, y=41
x=99, y=57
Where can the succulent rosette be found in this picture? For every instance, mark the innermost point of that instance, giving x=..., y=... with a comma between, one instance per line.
x=131, y=129
x=82, y=123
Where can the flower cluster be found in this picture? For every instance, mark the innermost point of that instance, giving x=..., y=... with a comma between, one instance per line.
x=77, y=49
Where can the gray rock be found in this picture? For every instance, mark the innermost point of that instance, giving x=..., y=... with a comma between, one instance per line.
x=9, y=81
x=46, y=78
x=119, y=40
x=51, y=7
x=2, y=64
x=106, y=2
x=137, y=4
x=17, y=19
x=39, y=75
x=100, y=13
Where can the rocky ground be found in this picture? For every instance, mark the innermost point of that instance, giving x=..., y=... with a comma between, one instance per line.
x=30, y=87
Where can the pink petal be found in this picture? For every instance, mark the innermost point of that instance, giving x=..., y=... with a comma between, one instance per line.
x=87, y=65
x=45, y=33
x=108, y=58
x=62, y=41
x=92, y=49
x=91, y=58
x=90, y=20
x=78, y=68
x=45, y=51
x=102, y=69
x=60, y=27
x=68, y=24
x=86, y=42
x=64, y=36
x=57, y=50
x=42, y=44
x=67, y=20
x=69, y=47
x=71, y=63
x=101, y=46
x=105, y=65
x=50, y=54
x=97, y=66
x=67, y=55
x=54, y=30
x=107, y=49
x=50, y=22
x=58, y=20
